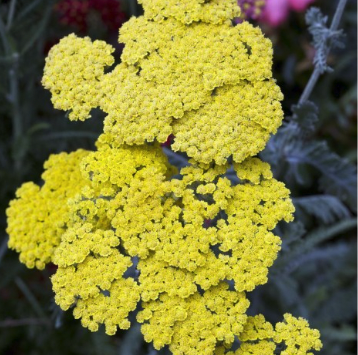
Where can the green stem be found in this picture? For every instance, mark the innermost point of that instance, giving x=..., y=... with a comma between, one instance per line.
x=313, y=238
x=14, y=84
x=3, y=248
x=133, y=7
x=14, y=96
x=338, y=15
x=10, y=16
x=31, y=298
x=23, y=322
x=3, y=35
x=316, y=72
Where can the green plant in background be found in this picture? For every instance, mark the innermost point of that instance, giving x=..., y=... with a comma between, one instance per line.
x=324, y=189
x=105, y=215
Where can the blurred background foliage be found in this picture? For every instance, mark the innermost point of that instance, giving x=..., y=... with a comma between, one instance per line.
x=314, y=153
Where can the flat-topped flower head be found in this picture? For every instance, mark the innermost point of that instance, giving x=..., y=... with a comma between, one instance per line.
x=196, y=324
x=97, y=291
x=74, y=68
x=188, y=11
x=290, y=337
x=237, y=122
x=39, y=215
x=185, y=68
x=123, y=225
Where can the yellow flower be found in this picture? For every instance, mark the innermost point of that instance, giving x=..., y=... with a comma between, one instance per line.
x=97, y=291
x=73, y=71
x=185, y=70
x=123, y=227
x=297, y=336
x=187, y=11
x=260, y=337
x=38, y=216
x=194, y=325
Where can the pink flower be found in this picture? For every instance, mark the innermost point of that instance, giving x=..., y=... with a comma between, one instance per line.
x=277, y=11
x=300, y=5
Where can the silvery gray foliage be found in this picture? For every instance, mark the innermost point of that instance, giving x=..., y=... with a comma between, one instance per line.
x=306, y=116
x=324, y=38
x=326, y=208
x=290, y=155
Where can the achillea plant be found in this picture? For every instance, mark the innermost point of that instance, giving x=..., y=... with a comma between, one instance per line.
x=123, y=227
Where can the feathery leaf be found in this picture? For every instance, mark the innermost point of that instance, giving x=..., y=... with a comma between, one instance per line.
x=326, y=208
x=323, y=37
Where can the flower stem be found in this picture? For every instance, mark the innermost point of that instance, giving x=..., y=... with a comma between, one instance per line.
x=316, y=72
x=14, y=96
x=11, y=13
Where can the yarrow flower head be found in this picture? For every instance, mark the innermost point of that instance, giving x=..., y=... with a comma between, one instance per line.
x=129, y=202
x=39, y=215
x=181, y=65
x=183, y=247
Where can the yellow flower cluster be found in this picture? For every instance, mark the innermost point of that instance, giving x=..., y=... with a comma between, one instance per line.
x=90, y=274
x=237, y=121
x=123, y=227
x=188, y=11
x=191, y=73
x=297, y=336
x=73, y=71
x=129, y=201
x=259, y=337
x=182, y=241
x=38, y=216
x=194, y=325
x=97, y=291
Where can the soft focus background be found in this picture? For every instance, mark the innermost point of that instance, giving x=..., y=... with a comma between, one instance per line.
x=315, y=274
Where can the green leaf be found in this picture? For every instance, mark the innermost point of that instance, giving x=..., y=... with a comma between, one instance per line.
x=321, y=254
x=131, y=341
x=345, y=333
x=290, y=233
x=340, y=305
x=338, y=175
x=314, y=238
x=31, y=298
x=325, y=208
x=67, y=135
x=306, y=116
x=38, y=30
x=38, y=127
x=323, y=37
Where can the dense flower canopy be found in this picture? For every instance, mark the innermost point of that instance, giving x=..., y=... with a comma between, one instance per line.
x=188, y=11
x=177, y=74
x=128, y=231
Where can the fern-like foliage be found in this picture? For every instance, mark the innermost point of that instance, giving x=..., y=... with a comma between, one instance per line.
x=290, y=233
x=338, y=176
x=306, y=117
x=326, y=208
x=312, y=239
x=324, y=38
x=291, y=154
